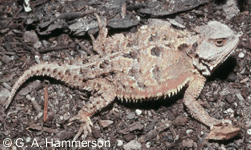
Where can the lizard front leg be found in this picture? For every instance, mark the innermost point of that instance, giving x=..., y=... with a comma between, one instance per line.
x=194, y=108
x=104, y=96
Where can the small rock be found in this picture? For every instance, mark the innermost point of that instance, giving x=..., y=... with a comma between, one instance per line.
x=37, y=45
x=37, y=59
x=4, y=93
x=148, y=144
x=239, y=96
x=30, y=37
x=189, y=131
x=175, y=23
x=128, y=137
x=132, y=145
x=28, y=139
x=26, y=5
x=231, y=9
x=6, y=59
x=96, y=133
x=249, y=131
x=7, y=86
x=119, y=142
x=45, y=43
x=187, y=143
x=105, y=123
x=131, y=115
x=138, y=112
x=202, y=133
x=66, y=116
x=136, y=126
x=232, y=77
x=180, y=121
x=229, y=99
x=29, y=21
x=229, y=110
x=45, y=58
x=241, y=55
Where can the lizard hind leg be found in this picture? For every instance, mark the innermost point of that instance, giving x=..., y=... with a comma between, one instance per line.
x=98, y=101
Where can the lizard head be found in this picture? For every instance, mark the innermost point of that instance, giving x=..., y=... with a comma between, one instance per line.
x=217, y=41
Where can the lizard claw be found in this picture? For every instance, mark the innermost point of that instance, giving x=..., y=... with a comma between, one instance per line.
x=85, y=127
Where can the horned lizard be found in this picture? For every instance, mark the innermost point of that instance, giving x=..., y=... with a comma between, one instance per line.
x=156, y=61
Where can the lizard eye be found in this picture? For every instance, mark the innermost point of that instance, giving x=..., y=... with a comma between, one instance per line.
x=219, y=43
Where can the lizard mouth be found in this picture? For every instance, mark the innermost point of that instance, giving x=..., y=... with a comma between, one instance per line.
x=212, y=65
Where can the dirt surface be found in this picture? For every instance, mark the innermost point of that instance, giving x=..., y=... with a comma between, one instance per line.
x=58, y=31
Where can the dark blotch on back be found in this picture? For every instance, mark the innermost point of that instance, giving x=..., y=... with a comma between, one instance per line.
x=67, y=72
x=182, y=46
x=155, y=51
x=82, y=71
x=141, y=85
x=132, y=55
x=133, y=72
x=104, y=64
x=156, y=73
x=131, y=43
x=153, y=37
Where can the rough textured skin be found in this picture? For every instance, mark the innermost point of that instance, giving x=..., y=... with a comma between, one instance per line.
x=157, y=61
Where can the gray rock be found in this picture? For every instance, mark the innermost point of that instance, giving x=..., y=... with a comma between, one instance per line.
x=132, y=145
x=231, y=9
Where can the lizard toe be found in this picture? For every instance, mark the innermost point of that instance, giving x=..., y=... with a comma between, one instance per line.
x=85, y=127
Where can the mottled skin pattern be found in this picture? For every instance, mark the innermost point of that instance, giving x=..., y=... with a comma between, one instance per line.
x=157, y=61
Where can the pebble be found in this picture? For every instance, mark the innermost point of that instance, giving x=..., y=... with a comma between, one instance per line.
x=202, y=133
x=30, y=37
x=45, y=43
x=187, y=143
x=249, y=131
x=105, y=123
x=229, y=111
x=189, y=131
x=239, y=96
x=37, y=59
x=6, y=59
x=119, y=142
x=148, y=144
x=7, y=86
x=232, y=77
x=138, y=112
x=129, y=137
x=177, y=24
x=45, y=58
x=135, y=145
x=37, y=45
x=131, y=115
x=229, y=99
x=28, y=139
x=4, y=93
x=241, y=55
x=231, y=9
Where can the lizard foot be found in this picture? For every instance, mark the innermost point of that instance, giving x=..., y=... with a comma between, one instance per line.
x=85, y=127
x=223, y=131
x=216, y=122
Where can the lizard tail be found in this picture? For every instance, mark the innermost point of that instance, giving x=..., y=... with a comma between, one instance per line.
x=52, y=70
